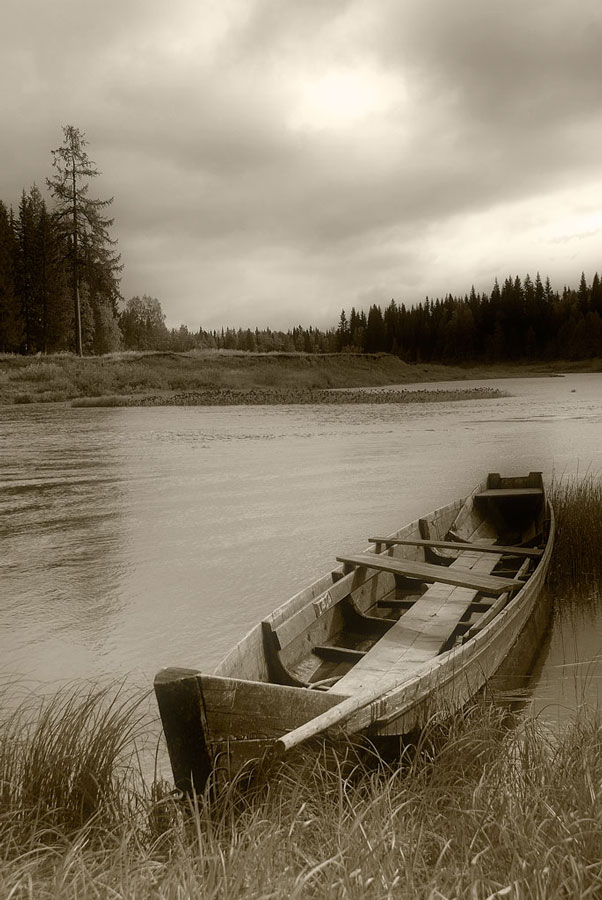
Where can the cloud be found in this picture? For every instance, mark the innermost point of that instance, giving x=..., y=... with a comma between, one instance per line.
x=272, y=161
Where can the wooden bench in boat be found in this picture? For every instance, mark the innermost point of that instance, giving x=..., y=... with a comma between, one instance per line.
x=460, y=576
x=510, y=492
x=458, y=545
x=422, y=632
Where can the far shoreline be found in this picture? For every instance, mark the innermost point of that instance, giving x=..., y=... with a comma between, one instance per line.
x=226, y=378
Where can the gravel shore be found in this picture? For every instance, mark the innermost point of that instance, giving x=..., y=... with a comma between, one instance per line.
x=288, y=397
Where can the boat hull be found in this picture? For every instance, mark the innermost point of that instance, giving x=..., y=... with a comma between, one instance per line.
x=222, y=723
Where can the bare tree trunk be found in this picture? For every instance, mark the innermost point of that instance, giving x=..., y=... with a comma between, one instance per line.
x=76, y=302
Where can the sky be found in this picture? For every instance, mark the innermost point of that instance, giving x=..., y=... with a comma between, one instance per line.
x=275, y=161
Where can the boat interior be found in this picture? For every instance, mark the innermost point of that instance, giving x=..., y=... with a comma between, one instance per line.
x=411, y=595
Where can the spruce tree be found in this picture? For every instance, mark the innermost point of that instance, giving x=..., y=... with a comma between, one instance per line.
x=82, y=222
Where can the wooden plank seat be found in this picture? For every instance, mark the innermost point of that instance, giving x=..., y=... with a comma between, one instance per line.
x=511, y=492
x=431, y=573
x=421, y=632
x=459, y=545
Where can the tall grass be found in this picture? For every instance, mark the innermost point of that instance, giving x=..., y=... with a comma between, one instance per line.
x=60, y=760
x=67, y=377
x=577, y=559
x=478, y=810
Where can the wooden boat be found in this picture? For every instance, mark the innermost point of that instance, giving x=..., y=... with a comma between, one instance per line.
x=420, y=621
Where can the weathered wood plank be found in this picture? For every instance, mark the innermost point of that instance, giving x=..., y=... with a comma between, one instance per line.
x=249, y=710
x=429, y=572
x=511, y=492
x=181, y=709
x=419, y=635
x=306, y=617
x=461, y=546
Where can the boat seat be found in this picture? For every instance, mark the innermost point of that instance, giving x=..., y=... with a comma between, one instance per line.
x=458, y=545
x=459, y=573
x=510, y=492
x=422, y=632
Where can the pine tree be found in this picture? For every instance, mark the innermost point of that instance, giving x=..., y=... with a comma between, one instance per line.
x=343, y=332
x=83, y=224
x=374, y=337
x=596, y=294
x=583, y=295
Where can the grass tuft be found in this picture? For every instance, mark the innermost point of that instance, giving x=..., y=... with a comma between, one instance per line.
x=60, y=760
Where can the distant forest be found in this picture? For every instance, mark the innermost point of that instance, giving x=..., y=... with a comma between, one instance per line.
x=47, y=259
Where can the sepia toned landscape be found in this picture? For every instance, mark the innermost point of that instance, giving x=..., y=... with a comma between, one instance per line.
x=300, y=450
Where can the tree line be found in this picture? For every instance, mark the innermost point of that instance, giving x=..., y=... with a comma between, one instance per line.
x=522, y=319
x=60, y=291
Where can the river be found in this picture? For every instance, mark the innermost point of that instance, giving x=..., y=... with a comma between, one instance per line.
x=137, y=538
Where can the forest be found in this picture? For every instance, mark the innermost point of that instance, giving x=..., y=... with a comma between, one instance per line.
x=60, y=292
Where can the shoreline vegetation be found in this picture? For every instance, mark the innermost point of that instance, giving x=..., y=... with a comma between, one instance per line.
x=154, y=378
x=491, y=804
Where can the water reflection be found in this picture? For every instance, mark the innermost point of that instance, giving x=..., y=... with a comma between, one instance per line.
x=61, y=537
x=571, y=676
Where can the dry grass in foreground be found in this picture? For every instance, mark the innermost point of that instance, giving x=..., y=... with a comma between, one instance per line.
x=479, y=810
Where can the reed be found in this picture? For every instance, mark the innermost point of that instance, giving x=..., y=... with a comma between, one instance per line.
x=577, y=560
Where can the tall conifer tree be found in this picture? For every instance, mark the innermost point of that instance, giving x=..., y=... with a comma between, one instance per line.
x=82, y=221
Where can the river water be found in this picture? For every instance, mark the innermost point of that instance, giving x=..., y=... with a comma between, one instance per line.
x=138, y=538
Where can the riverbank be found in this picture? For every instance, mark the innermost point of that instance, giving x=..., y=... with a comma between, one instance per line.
x=221, y=378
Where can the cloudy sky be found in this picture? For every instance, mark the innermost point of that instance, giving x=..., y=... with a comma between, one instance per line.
x=275, y=160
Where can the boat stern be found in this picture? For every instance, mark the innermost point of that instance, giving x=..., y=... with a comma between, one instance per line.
x=222, y=726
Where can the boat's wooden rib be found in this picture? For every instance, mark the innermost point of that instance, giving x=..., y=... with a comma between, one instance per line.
x=428, y=572
x=497, y=606
x=419, y=623
x=332, y=652
x=460, y=546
